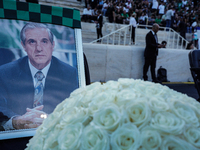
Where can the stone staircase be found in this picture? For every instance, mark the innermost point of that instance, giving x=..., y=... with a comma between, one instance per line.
x=89, y=33
x=65, y=3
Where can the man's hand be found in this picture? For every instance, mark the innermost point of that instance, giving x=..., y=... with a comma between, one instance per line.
x=161, y=46
x=31, y=119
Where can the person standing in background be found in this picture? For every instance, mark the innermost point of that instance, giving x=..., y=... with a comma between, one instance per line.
x=87, y=3
x=111, y=12
x=151, y=53
x=93, y=4
x=105, y=7
x=87, y=14
x=183, y=29
x=168, y=17
x=161, y=9
x=134, y=24
x=99, y=24
x=154, y=8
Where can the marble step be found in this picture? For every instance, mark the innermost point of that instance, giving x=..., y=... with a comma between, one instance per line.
x=67, y=3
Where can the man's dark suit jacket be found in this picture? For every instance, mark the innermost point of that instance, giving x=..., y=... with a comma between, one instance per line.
x=100, y=21
x=151, y=49
x=17, y=89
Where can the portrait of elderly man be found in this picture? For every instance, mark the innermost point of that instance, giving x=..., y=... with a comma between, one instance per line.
x=32, y=86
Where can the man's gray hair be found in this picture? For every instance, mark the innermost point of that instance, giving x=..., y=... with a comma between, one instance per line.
x=155, y=25
x=33, y=26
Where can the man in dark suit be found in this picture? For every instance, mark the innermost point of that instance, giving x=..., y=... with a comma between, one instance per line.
x=99, y=25
x=25, y=99
x=151, y=53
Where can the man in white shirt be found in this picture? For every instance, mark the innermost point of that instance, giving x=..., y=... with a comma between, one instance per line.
x=104, y=8
x=87, y=13
x=128, y=4
x=154, y=6
x=194, y=24
x=184, y=3
x=168, y=17
x=133, y=22
x=161, y=9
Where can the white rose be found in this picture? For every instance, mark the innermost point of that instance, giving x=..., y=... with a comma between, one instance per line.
x=127, y=83
x=108, y=118
x=76, y=101
x=175, y=143
x=68, y=103
x=126, y=96
x=174, y=95
x=60, y=107
x=50, y=128
x=138, y=113
x=156, y=90
x=193, y=136
x=151, y=139
x=50, y=141
x=152, y=90
x=77, y=96
x=157, y=104
x=94, y=138
x=126, y=137
x=74, y=115
x=101, y=99
x=84, y=90
x=48, y=124
x=69, y=137
x=141, y=148
x=82, y=97
x=189, y=99
x=111, y=85
x=140, y=87
x=186, y=113
x=36, y=139
x=195, y=105
x=163, y=92
x=87, y=98
x=167, y=123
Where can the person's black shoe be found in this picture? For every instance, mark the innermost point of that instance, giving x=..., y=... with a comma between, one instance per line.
x=157, y=81
x=145, y=78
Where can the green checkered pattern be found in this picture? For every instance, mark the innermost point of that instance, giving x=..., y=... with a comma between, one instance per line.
x=11, y=9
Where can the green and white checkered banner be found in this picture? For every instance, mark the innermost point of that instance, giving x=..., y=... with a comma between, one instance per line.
x=10, y=9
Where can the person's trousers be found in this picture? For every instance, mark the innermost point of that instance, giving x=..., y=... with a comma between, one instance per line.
x=149, y=61
x=86, y=17
x=182, y=33
x=99, y=32
x=168, y=23
x=133, y=34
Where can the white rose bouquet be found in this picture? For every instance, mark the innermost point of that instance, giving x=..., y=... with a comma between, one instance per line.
x=126, y=114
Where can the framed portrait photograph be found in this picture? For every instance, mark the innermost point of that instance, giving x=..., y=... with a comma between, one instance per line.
x=41, y=63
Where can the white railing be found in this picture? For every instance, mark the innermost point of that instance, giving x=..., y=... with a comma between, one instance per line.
x=122, y=36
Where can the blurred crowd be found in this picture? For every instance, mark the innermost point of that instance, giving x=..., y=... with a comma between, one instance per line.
x=181, y=15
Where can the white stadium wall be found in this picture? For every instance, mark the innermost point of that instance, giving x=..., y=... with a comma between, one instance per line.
x=109, y=62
